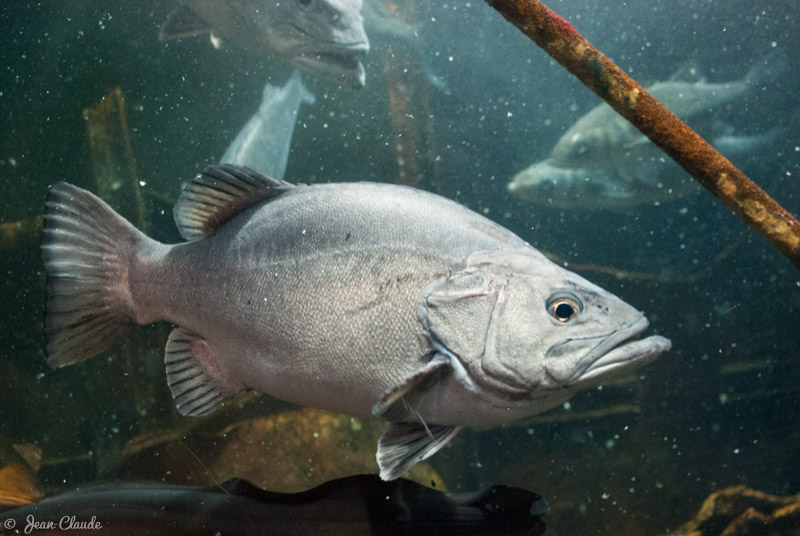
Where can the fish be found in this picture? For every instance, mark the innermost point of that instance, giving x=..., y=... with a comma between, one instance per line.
x=323, y=38
x=654, y=179
x=365, y=299
x=603, y=161
x=263, y=143
x=355, y=505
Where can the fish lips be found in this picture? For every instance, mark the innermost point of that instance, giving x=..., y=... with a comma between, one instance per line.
x=613, y=354
x=337, y=64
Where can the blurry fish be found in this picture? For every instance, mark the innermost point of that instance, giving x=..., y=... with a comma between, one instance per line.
x=321, y=37
x=603, y=161
x=263, y=143
x=655, y=178
x=352, y=506
x=357, y=298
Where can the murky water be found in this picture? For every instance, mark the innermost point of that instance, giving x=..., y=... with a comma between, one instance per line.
x=457, y=102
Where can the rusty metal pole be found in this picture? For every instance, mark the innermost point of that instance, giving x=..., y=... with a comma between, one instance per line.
x=569, y=48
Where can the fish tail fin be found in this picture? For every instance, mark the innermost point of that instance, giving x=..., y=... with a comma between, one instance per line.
x=86, y=249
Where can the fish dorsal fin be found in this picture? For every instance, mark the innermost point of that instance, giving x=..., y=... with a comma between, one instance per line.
x=218, y=194
x=197, y=384
x=688, y=72
x=183, y=22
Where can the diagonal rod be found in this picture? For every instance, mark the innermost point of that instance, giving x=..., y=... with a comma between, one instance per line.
x=569, y=48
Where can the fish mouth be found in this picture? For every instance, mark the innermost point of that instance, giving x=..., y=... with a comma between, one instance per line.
x=337, y=65
x=617, y=353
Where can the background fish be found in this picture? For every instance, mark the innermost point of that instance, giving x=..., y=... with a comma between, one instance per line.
x=321, y=37
x=357, y=505
x=602, y=161
x=263, y=143
x=653, y=178
x=358, y=298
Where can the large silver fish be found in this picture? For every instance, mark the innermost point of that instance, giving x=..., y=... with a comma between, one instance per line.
x=324, y=38
x=264, y=142
x=358, y=298
x=602, y=161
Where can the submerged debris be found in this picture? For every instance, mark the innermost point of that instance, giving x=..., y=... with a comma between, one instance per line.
x=18, y=483
x=17, y=234
x=297, y=450
x=740, y=511
x=287, y=452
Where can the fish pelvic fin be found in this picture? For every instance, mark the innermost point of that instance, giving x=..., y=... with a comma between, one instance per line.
x=197, y=382
x=86, y=249
x=218, y=194
x=404, y=444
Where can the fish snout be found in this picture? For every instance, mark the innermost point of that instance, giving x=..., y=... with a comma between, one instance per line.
x=335, y=64
x=587, y=359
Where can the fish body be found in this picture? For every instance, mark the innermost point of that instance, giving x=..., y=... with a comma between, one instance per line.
x=324, y=38
x=602, y=135
x=352, y=506
x=263, y=143
x=650, y=178
x=603, y=161
x=359, y=298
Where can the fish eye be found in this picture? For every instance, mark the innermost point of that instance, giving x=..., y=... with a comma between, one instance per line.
x=564, y=308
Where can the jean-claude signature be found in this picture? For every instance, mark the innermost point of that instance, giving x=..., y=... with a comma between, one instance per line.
x=31, y=524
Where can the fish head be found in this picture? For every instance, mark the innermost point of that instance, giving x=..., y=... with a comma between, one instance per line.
x=521, y=330
x=321, y=37
x=574, y=188
x=582, y=147
x=596, y=140
x=324, y=38
x=548, y=185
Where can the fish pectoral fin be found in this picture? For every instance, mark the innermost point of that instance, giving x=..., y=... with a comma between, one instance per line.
x=197, y=384
x=400, y=403
x=404, y=444
x=183, y=22
x=218, y=194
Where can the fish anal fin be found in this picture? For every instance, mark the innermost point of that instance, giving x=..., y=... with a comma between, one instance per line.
x=404, y=444
x=183, y=22
x=399, y=403
x=197, y=383
x=218, y=194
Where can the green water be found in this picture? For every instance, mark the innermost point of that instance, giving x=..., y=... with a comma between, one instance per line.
x=636, y=456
